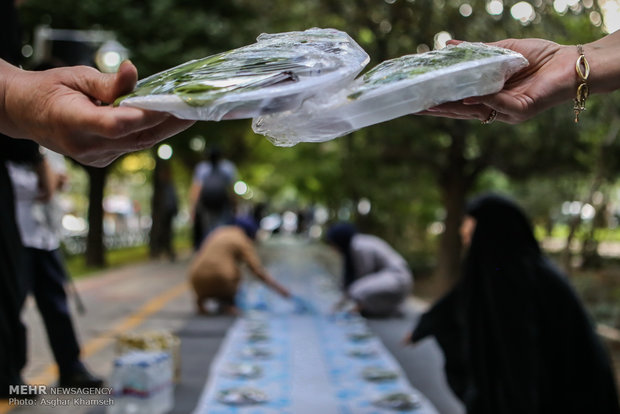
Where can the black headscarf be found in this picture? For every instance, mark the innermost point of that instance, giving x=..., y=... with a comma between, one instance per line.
x=215, y=156
x=340, y=235
x=248, y=225
x=515, y=336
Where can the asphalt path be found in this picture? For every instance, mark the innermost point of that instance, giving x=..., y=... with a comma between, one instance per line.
x=155, y=296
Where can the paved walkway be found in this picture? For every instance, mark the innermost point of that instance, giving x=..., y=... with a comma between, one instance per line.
x=154, y=295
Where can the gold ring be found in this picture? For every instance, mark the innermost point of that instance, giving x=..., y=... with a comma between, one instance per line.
x=491, y=118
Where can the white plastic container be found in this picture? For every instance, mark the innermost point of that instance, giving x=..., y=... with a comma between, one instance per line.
x=394, y=88
x=275, y=74
x=142, y=383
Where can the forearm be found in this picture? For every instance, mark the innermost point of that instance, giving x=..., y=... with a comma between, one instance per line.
x=603, y=57
x=47, y=180
x=194, y=192
x=7, y=73
x=272, y=283
x=62, y=110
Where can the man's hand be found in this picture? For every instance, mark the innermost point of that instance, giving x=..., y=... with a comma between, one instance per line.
x=61, y=109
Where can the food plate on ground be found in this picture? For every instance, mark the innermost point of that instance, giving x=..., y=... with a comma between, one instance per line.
x=243, y=371
x=378, y=374
x=256, y=352
x=398, y=401
x=362, y=352
x=242, y=396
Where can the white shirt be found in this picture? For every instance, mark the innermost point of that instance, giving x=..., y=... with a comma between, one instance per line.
x=34, y=218
x=371, y=255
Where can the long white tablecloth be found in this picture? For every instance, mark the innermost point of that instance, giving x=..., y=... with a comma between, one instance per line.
x=316, y=360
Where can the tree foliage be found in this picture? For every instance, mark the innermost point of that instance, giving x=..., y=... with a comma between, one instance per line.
x=415, y=170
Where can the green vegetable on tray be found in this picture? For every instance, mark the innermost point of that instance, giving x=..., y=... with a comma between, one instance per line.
x=254, y=352
x=394, y=88
x=360, y=336
x=411, y=66
x=378, y=374
x=362, y=352
x=258, y=337
x=280, y=63
x=202, y=81
x=242, y=396
x=243, y=371
x=398, y=401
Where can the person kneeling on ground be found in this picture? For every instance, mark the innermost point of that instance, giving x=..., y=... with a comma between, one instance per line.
x=376, y=277
x=215, y=272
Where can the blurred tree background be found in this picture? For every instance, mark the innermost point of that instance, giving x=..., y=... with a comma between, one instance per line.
x=417, y=172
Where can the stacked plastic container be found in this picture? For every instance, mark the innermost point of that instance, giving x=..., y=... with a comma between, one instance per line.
x=394, y=88
x=142, y=383
x=303, y=86
x=275, y=74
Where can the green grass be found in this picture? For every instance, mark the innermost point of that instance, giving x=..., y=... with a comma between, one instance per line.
x=77, y=268
x=560, y=231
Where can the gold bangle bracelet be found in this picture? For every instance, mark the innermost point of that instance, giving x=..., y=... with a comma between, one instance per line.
x=582, y=67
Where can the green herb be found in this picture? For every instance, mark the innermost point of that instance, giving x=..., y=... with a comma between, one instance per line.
x=274, y=60
x=411, y=66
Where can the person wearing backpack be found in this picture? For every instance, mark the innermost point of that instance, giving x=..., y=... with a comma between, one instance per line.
x=212, y=202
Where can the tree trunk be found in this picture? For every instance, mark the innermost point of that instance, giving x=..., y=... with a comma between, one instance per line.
x=591, y=259
x=600, y=176
x=156, y=210
x=454, y=184
x=449, y=265
x=95, y=249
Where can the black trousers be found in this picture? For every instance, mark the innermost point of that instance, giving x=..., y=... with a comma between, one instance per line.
x=163, y=238
x=12, y=331
x=45, y=276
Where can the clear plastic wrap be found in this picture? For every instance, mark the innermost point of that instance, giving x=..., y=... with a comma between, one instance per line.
x=276, y=73
x=394, y=88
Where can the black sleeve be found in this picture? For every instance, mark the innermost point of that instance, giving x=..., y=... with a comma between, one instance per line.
x=423, y=328
x=19, y=150
x=10, y=43
x=439, y=318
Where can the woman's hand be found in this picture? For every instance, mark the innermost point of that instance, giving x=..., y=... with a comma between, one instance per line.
x=549, y=80
x=406, y=341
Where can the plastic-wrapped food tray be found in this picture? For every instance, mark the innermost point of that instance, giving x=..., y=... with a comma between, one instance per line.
x=360, y=336
x=399, y=401
x=255, y=352
x=362, y=352
x=379, y=374
x=242, y=396
x=395, y=88
x=276, y=73
x=243, y=371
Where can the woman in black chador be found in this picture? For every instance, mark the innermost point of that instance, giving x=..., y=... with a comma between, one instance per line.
x=516, y=338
